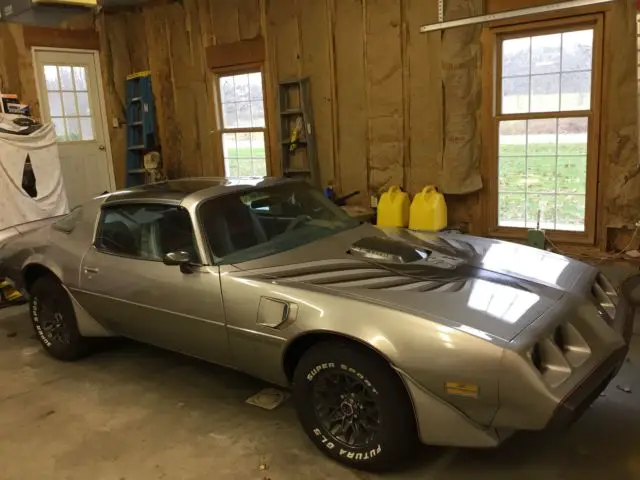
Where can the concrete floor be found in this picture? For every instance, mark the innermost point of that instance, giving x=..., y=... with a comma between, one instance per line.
x=134, y=412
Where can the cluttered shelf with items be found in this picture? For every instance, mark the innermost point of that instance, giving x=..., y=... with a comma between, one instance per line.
x=9, y=103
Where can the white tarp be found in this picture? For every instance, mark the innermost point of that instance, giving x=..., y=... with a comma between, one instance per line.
x=16, y=206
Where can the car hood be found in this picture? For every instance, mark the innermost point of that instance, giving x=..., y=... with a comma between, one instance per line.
x=485, y=286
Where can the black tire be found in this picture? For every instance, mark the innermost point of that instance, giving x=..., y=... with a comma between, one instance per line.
x=54, y=320
x=380, y=398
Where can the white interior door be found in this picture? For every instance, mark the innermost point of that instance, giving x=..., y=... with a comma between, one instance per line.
x=69, y=94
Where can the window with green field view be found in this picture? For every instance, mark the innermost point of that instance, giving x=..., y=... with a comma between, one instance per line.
x=243, y=124
x=544, y=115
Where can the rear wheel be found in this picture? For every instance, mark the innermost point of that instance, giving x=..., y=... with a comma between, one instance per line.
x=354, y=407
x=54, y=320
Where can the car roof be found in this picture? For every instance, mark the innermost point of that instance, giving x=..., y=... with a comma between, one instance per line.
x=177, y=191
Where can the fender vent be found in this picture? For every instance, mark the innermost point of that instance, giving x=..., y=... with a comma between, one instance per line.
x=605, y=296
x=556, y=356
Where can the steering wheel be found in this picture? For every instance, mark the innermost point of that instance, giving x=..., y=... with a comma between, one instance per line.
x=296, y=222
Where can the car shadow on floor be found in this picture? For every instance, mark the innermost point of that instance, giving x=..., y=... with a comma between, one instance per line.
x=602, y=444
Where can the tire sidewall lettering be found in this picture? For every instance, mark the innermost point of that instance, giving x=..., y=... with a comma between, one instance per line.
x=356, y=455
x=318, y=368
x=327, y=365
x=35, y=316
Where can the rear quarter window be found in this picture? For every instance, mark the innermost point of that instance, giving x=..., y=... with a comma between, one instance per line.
x=67, y=223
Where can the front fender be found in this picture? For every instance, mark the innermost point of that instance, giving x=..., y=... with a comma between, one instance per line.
x=429, y=352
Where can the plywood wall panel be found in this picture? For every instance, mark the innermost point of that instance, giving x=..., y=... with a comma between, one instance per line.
x=315, y=63
x=118, y=59
x=351, y=101
x=137, y=42
x=391, y=105
x=201, y=85
x=115, y=64
x=283, y=23
x=271, y=92
x=385, y=105
x=205, y=20
x=225, y=21
x=184, y=73
x=17, y=74
x=249, y=23
x=160, y=64
x=15, y=63
x=425, y=97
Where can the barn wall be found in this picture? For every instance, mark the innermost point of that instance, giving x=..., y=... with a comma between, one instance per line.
x=16, y=64
x=377, y=84
x=391, y=105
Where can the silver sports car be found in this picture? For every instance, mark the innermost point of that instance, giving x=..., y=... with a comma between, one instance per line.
x=386, y=338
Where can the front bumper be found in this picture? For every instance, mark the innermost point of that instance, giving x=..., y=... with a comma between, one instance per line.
x=528, y=403
x=577, y=401
x=574, y=405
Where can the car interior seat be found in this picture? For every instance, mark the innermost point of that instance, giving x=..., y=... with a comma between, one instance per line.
x=118, y=238
x=232, y=226
x=175, y=233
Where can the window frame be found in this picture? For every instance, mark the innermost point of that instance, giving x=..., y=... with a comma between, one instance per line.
x=220, y=130
x=60, y=91
x=492, y=92
x=127, y=204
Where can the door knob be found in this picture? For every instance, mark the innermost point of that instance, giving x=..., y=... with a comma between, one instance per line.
x=101, y=147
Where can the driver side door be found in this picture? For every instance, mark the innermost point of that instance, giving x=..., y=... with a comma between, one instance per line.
x=125, y=284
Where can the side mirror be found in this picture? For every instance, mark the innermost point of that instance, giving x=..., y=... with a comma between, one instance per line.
x=180, y=257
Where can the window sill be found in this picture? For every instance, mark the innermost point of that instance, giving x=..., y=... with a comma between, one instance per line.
x=556, y=236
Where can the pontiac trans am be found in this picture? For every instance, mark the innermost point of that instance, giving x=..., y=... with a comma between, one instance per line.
x=387, y=338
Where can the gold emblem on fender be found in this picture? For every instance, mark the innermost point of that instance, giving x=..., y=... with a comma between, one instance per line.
x=462, y=389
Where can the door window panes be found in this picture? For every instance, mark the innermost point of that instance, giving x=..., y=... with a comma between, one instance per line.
x=69, y=105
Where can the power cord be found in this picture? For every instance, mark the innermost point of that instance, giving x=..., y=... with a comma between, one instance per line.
x=602, y=259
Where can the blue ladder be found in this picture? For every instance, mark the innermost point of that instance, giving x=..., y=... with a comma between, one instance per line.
x=141, y=125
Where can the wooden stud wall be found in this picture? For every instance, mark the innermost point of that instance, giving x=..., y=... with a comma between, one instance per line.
x=16, y=65
x=391, y=105
x=376, y=82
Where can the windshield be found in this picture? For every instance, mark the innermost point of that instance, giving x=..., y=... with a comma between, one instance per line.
x=264, y=221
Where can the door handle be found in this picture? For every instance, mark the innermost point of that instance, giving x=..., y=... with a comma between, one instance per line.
x=101, y=147
x=90, y=270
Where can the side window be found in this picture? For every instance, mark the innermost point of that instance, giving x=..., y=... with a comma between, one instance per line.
x=147, y=232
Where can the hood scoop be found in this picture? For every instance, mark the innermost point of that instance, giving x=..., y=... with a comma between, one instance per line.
x=387, y=250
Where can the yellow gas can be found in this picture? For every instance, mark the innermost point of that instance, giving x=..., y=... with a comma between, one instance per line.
x=393, y=208
x=428, y=210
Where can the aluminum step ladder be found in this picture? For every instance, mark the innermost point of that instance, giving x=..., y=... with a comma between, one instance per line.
x=299, y=157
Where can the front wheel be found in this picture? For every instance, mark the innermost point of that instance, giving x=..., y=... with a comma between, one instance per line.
x=354, y=407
